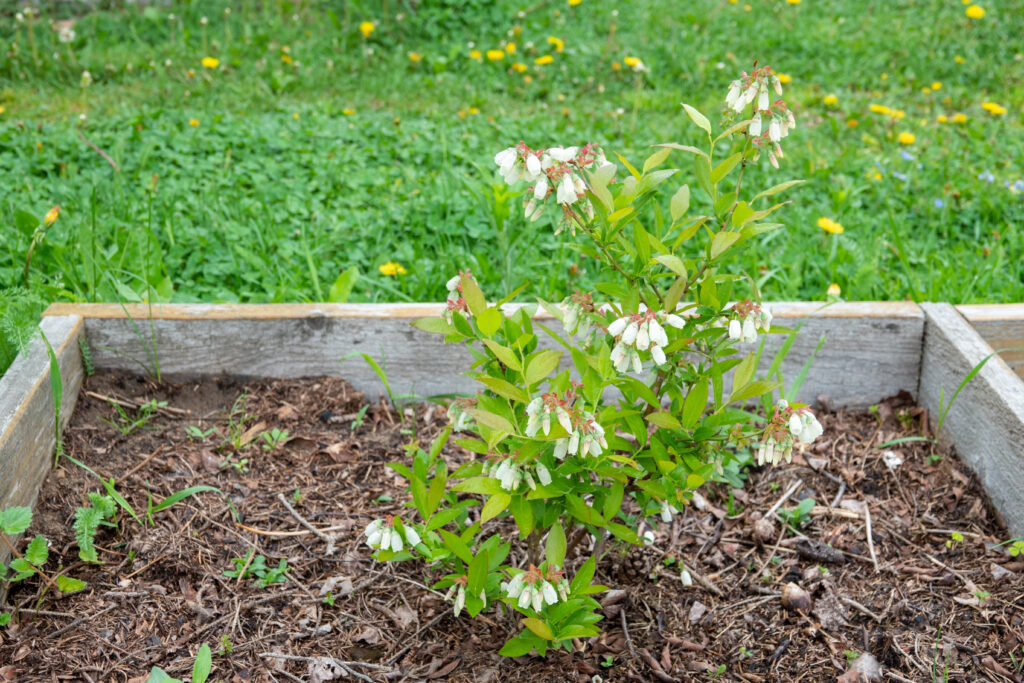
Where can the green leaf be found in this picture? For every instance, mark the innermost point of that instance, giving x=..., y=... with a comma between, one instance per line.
x=554, y=547
x=781, y=187
x=702, y=168
x=522, y=512
x=473, y=296
x=538, y=628
x=487, y=486
x=37, y=551
x=516, y=647
x=629, y=167
x=583, y=575
x=158, y=675
x=476, y=577
x=457, y=546
x=504, y=354
x=741, y=214
x=599, y=188
x=698, y=118
x=503, y=388
x=494, y=506
x=66, y=584
x=656, y=159
x=23, y=568
x=616, y=217
x=673, y=263
x=342, y=287
x=680, y=202
x=26, y=222
x=491, y=420
x=541, y=365
x=584, y=512
x=721, y=242
x=695, y=401
x=433, y=325
x=664, y=420
x=744, y=372
x=203, y=664
x=15, y=520
x=181, y=495
x=723, y=169
x=489, y=321
x=753, y=390
x=685, y=148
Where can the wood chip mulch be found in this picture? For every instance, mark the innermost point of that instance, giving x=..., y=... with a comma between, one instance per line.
x=925, y=606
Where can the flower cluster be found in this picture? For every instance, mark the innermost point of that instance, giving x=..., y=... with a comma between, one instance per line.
x=510, y=473
x=557, y=171
x=585, y=437
x=771, y=121
x=382, y=535
x=641, y=332
x=750, y=317
x=458, y=590
x=458, y=413
x=577, y=321
x=788, y=425
x=535, y=588
x=455, y=300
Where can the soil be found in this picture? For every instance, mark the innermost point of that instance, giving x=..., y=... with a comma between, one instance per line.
x=925, y=605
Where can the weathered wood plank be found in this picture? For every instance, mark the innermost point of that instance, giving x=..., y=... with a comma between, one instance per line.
x=26, y=410
x=986, y=422
x=872, y=349
x=1002, y=326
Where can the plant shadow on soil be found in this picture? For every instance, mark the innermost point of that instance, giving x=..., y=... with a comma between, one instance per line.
x=931, y=612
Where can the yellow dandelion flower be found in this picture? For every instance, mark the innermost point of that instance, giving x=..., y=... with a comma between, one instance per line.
x=510, y=48
x=39, y=146
x=942, y=118
x=211, y=62
x=541, y=61
x=834, y=290
x=959, y=60
x=897, y=114
x=51, y=216
x=477, y=55
x=876, y=175
x=295, y=115
x=784, y=78
x=852, y=123
x=884, y=77
x=557, y=42
x=993, y=108
x=975, y=12
x=495, y=55
x=574, y=3
x=527, y=79
x=925, y=90
x=747, y=7
x=906, y=138
x=193, y=122
x=473, y=111
x=959, y=118
x=516, y=30
x=616, y=66
x=519, y=67
x=830, y=226
x=632, y=62
x=936, y=85
x=348, y=112
x=415, y=57
x=879, y=109
x=462, y=114
x=2, y=109
x=792, y=2
x=831, y=100
x=366, y=28
x=392, y=269
x=286, y=59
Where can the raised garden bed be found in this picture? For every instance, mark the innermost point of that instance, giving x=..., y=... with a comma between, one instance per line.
x=921, y=606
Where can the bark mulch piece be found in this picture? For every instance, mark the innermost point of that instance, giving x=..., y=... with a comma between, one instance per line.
x=926, y=606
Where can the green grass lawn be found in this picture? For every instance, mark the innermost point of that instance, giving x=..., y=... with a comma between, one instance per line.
x=311, y=153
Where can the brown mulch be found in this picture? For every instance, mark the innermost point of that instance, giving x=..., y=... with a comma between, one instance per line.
x=926, y=606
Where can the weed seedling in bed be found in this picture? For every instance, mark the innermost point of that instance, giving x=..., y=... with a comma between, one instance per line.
x=127, y=424
x=274, y=439
x=799, y=516
x=249, y=567
x=196, y=433
x=201, y=668
x=14, y=521
x=605, y=431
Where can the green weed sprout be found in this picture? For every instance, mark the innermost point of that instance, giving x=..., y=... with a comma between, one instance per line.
x=643, y=415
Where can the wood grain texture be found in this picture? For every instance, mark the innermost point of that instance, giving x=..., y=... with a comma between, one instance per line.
x=1002, y=326
x=26, y=410
x=986, y=422
x=872, y=349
